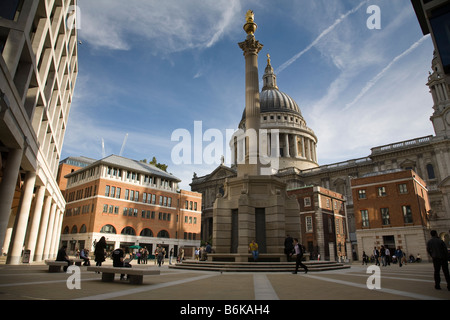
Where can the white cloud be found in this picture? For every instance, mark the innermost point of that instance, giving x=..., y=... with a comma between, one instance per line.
x=168, y=26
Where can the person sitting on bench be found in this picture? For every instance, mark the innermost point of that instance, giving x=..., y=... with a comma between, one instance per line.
x=62, y=256
x=118, y=256
x=84, y=254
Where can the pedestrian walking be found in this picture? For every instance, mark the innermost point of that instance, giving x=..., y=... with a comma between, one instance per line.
x=376, y=256
x=365, y=258
x=288, y=247
x=298, y=250
x=399, y=255
x=437, y=249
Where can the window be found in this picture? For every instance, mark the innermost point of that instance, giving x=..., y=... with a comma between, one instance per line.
x=105, y=208
x=128, y=231
x=169, y=202
x=402, y=188
x=307, y=201
x=136, y=196
x=309, y=224
x=111, y=209
x=107, y=191
x=144, y=197
x=118, y=193
x=382, y=191
x=430, y=171
x=113, y=192
x=108, y=229
x=407, y=214
x=385, y=216
x=163, y=234
x=365, y=218
x=127, y=193
x=131, y=195
x=116, y=210
x=362, y=194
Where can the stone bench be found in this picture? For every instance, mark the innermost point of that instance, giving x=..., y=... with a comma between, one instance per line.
x=55, y=266
x=135, y=275
x=77, y=262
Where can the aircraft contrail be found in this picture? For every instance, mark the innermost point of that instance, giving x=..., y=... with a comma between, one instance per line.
x=375, y=79
x=323, y=34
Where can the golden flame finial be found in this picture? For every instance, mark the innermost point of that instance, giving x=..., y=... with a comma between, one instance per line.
x=250, y=16
x=250, y=27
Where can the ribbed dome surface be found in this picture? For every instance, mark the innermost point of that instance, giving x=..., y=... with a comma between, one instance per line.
x=273, y=100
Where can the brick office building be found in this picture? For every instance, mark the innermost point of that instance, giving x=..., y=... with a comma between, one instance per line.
x=324, y=226
x=391, y=209
x=130, y=203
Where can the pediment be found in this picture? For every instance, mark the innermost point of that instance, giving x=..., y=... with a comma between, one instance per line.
x=407, y=164
x=221, y=172
x=445, y=183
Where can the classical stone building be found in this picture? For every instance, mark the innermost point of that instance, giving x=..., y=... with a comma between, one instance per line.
x=38, y=71
x=294, y=146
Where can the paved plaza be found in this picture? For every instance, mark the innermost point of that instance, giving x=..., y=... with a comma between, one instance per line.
x=410, y=282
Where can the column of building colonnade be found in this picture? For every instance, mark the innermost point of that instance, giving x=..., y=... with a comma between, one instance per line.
x=307, y=151
x=36, y=223
x=303, y=147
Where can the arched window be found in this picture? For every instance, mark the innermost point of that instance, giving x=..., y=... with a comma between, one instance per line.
x=129, y=231
x=66, y=230
x=146, y=233
x=430, y=171
x=83, y=229
x=108, y=229
x=163, y=234
x=74, y=229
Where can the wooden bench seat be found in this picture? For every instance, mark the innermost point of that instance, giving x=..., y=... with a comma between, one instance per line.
x=135, y=275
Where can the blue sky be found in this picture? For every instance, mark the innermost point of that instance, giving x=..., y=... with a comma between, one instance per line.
x=148, y=68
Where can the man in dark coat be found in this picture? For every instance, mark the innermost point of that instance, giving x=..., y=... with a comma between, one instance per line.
x=437, y=249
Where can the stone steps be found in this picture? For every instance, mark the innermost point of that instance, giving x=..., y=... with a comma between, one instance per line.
x=257, y=266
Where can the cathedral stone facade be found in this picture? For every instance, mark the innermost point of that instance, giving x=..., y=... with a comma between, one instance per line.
x=295, y=148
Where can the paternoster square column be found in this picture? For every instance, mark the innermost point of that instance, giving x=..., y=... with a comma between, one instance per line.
x=251, y=48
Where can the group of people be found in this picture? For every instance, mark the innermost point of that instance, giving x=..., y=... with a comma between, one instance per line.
x=142, y=255
x=201, y=253
x=384, y=257
x=436, y=248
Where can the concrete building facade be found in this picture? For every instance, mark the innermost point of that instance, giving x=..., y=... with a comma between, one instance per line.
x=38, y=71
x=130, y=203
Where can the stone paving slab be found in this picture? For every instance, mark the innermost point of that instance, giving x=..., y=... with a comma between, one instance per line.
x=413, y=282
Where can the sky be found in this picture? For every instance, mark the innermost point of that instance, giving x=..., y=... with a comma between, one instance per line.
x=148, y=69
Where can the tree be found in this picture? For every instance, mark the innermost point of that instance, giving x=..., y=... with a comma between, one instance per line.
x=161, y=166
